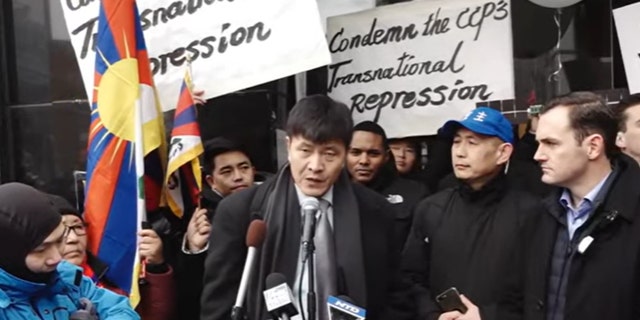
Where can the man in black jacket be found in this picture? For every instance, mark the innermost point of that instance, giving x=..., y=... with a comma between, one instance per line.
x=228, y=169
x=581, y=261
x=318, y=132
x=463, y=237
x=523, y=172
x=371, y=163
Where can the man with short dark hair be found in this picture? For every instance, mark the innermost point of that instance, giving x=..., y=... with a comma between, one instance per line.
x=227, y=169
x=580, y=261
x=34, y=280
x=354, y=241
x=465, y=236
x=628, y=137
x=371, y=163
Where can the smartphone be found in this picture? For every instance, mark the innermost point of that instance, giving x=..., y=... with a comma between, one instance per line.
x=449, y=300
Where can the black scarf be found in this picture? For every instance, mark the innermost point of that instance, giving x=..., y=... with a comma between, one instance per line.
x=280, y=252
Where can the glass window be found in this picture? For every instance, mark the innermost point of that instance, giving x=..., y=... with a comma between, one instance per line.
x=46, y=65
x=50, y=144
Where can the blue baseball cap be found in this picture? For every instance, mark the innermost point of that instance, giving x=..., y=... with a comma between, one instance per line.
x=482, y=120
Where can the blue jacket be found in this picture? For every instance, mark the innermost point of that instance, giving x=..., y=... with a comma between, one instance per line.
x=21, y=299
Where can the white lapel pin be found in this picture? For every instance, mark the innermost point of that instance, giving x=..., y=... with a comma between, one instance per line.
x=584, y=244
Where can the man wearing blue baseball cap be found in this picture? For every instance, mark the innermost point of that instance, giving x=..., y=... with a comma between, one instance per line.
x=463, y=237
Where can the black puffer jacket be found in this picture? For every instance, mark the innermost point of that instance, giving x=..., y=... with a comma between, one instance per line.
x=465, y=239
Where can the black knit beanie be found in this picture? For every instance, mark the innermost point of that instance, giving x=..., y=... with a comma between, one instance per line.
x=64, y=207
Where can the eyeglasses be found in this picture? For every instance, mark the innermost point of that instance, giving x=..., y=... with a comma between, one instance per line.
x=78, y=229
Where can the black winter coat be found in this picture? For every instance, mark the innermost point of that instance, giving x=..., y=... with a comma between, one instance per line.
x=604, y=280
x=465, y=239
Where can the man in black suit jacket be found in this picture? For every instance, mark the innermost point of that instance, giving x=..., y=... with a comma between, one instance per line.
x=228, y=169
x=319, y=130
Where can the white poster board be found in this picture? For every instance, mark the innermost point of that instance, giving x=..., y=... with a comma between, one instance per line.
x=412, y=66
x=330, y=8
x=234, y=44
x=627, y=23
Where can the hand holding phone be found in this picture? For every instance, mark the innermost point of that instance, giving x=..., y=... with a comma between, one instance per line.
x=449, y=300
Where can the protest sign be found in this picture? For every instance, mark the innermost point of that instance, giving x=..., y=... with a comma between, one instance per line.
x=330, y=8
x=233, y=44
x=412, y=66
x=626, y=19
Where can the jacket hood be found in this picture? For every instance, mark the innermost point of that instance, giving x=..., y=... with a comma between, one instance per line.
x=27, y=218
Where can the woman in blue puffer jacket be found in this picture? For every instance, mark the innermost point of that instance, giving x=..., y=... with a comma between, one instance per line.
x=34, y=283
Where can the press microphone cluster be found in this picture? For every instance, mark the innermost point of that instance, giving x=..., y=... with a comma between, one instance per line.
x=343, y=308
x=255, y=236
x=278, y=297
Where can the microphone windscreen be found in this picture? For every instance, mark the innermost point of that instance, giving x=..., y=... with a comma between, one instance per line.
x=256, y=233
x=310, y=203
x=274, y=280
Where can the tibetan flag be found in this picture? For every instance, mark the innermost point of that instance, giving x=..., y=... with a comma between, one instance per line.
x=184, y=177
x=126, y=145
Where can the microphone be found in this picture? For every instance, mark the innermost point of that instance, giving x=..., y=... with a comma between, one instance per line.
x=278, y=297
x=343, y=308
x=310, y=207
x=255, y=236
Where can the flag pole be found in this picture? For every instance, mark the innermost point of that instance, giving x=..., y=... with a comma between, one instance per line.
x=141, y=207
x=195, y=165
x=189, y=76
x=139, y=161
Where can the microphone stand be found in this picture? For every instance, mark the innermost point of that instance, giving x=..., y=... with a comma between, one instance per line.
x=311, y=294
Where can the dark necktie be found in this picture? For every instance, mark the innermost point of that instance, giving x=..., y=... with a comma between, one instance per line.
x=326, y=270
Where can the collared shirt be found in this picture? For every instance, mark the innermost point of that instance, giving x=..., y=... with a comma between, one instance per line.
x=301, y=289
x=576, y=217
x=328, y=196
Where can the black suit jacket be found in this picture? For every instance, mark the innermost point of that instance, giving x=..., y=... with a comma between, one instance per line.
x=227, y=252
x=189, y=269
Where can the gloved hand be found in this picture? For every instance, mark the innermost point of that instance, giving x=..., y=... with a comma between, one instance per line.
x=87, y=311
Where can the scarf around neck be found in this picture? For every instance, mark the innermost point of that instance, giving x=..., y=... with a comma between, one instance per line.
x=280, y=210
